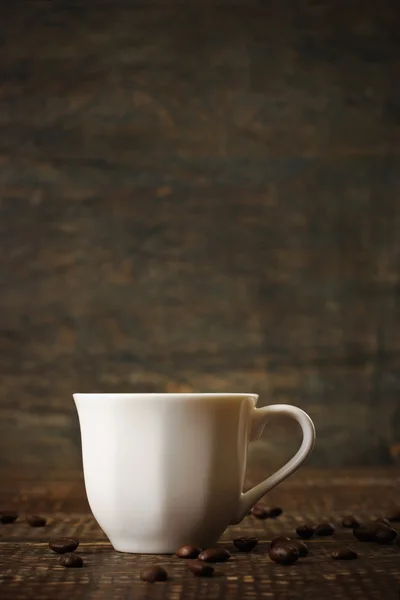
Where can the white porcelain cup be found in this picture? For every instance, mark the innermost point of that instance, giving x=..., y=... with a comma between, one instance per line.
x=164, y=470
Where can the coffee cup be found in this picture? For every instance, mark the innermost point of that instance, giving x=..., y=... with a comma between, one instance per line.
x=164, y=470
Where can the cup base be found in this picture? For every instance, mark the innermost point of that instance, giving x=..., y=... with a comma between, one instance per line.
x=134, y=548
x=140, y=547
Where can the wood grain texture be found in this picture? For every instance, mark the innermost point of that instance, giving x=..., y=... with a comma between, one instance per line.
x=203, y=197
x=28, y=569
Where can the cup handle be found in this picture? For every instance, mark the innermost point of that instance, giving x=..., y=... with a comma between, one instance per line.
x=260, y=418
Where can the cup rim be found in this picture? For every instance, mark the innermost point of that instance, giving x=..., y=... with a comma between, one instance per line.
x=168, y=395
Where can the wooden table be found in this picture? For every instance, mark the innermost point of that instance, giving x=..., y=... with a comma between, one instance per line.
x=28, y=569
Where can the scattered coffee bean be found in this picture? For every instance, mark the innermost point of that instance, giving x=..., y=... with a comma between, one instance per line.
x=384, y=534
x=245, y=544
x=283, y=554
x=188, y=552
x=325, y=529
x=344, y=554
x=259, y=511
x=36, y=521
x=213, y=555
x=394, y=516
x=274, y=512
x=8, y=516
x=351, y=522
x=200, y=569
x=365, y=534
x=153, y=574
x=383, y=521
x=278, y=541
x=71, y=561
x=301, y=547
x=63, y=545
x=305, y=532
x=264, y=512
x=375, y=532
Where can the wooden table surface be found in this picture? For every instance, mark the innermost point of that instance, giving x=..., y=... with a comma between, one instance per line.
x=28, y=569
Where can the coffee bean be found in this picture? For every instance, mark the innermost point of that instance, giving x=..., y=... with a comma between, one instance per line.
x=351, y=522
x=365, y=534
x=8, y=516
x=383, y=521
x=278, y=541
x=274, y=512
x=36, y=521
x=259, y=511
x=200, y=569
x=63, y=545
x=213, y=555
x=153, y=574
x=325, y=529
x=384, y=534
x=188, y=552
x=71, y=561
x=344, y=554
x=245, y=544
x=305, y=532
x=297, y=544
x=301, y=547
x=375, y=532
x=283, y=554
x=394, y=516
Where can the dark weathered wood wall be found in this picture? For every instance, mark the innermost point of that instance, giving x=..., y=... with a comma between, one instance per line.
x=201, y=196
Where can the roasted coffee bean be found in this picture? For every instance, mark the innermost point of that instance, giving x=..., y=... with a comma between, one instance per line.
x=365, y=534
x=8, y=516
x=351, y=522
x=260, y=511
x=383, y=521
x=36, y=521
x=297, y=544
x=301, y=547
x=375, y=532
x=63, y=545
x=213, y=555
x=200, y=569
x=188, y=552
x=394, y=516
x=305, y=532
x=153, y=574
x=245, y=544
x=283, y=554
x=325, y=529
x=279, y=541
x=344, y=554
x=71, y=561
x=384, y=534
x=265, y=512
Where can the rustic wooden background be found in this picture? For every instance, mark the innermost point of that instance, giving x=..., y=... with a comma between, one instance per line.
x=201, y=196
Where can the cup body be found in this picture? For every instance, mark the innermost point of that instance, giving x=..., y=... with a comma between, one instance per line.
x=164, y=470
